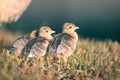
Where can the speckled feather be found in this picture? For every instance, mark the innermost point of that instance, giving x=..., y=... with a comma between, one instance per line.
x=36, y=47
x=64, y=43
x=60, y=42
x=20, y=43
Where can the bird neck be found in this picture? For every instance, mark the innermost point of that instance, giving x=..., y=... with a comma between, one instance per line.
x=48, y=38
x=75, y=35
x=72, y=34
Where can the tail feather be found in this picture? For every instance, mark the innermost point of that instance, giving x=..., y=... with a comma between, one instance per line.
x=12, y=50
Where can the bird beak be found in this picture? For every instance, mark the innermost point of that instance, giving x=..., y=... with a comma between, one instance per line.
x=77, y=27
x=53, y=31
x=35, y=30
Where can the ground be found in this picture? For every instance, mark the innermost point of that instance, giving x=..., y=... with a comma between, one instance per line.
x=92, y=60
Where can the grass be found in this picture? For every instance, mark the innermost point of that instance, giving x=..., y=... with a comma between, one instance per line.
x=92, y=60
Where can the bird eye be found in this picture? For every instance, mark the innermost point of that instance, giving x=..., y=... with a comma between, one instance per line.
x=46, y=31
x=70, y=27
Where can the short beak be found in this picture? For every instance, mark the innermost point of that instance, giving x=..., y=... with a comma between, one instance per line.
x=77, y=27
x=53, y=31
x=34, y=31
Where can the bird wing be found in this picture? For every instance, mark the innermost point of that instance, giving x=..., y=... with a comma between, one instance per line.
x=18, y=43
x=55, y=43
x=28, y=46
x=67, y=40
x=35, y=47
x=61, y=43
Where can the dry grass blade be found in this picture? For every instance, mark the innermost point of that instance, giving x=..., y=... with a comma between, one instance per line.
x=92, y=60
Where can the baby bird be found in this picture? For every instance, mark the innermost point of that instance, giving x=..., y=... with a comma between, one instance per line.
x=64, y=43
x=20, y=43
x=38, y=46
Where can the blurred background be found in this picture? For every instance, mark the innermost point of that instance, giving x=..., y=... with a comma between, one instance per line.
x=99, y=19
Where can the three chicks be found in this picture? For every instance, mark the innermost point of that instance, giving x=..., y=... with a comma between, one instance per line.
x=62, y=44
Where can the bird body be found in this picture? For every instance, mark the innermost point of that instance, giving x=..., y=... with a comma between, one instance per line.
x=20, y=43
x=68, y=44
x=64, y=43
x=38, y=46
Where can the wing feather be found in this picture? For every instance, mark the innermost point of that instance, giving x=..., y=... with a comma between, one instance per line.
x=36, y=47
x=62, y=43
x=18, y=43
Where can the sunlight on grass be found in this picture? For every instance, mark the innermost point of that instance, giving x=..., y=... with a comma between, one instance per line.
x=92, y=60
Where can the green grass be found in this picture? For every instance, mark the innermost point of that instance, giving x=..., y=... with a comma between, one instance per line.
x=92, y=60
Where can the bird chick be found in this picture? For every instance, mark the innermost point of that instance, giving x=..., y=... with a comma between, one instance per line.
x=64, y=43
x=38, y=46
x=20, y=43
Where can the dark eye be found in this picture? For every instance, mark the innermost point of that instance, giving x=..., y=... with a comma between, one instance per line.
x=70, y=27
x=46, y=31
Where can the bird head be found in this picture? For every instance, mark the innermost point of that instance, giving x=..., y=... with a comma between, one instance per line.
x=33, y=34
x=69, y=28
x=46, y=31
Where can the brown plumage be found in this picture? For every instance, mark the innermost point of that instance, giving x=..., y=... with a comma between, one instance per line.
x=64, y=43
x=38, y=46
x=20, y=43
